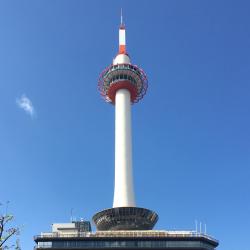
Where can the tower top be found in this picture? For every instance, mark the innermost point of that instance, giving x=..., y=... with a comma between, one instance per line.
x=122, y=74
x=122, y=56
x=122, y=37
x=122, y=24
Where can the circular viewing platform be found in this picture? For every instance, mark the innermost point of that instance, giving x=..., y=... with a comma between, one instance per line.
x=125, y=218
x=123, y=76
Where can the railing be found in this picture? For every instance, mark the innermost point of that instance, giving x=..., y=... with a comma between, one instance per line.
x=138, y=79
x=133, y=234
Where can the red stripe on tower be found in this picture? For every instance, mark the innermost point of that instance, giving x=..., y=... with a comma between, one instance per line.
x=122, y=40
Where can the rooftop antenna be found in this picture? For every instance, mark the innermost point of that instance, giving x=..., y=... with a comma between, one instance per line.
x=196, y=226
x=71, y=215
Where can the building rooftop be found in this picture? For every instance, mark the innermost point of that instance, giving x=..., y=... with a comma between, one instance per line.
x=126, y=235
x=78, y=235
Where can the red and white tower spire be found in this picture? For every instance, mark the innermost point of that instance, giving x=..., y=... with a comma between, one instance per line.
x=122, y=37
x=123, y=84
x=122, y=56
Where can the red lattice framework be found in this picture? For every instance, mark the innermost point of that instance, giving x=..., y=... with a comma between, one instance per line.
x=122, y=76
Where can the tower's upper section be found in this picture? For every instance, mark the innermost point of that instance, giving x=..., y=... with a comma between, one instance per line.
x=121, y=74
x=122, y=56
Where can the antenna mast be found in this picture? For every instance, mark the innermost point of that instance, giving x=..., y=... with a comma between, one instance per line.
x=122, y=24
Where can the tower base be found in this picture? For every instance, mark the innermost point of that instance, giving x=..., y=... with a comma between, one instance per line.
x=125, y=218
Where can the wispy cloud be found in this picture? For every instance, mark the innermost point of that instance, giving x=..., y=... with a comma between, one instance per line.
x=25, y=103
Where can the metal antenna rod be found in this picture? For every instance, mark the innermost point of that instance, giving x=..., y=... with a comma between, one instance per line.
x=121, y=17
x=71, y=215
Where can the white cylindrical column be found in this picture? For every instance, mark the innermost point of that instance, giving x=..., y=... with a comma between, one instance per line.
x=124, y=189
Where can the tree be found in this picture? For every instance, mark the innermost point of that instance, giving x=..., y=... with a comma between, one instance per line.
x=8, y=231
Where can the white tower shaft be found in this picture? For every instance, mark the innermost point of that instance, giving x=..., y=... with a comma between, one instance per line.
x=124, y=190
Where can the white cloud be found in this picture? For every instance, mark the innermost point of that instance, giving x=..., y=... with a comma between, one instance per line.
x=25, y=103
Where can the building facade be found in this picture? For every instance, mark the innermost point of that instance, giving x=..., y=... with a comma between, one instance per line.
x=67, y=237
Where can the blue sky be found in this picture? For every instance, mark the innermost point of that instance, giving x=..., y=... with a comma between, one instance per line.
x=191, y=132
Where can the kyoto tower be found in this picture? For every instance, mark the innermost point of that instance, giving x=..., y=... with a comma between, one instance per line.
x=123, y=84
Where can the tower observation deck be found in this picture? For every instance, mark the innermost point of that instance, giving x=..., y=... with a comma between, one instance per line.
x=123, y=84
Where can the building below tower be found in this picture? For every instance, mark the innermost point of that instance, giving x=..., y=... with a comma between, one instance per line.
x=78, y=235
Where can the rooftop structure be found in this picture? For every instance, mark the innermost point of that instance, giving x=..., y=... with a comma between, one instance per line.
x=123, y=84
x=71, y=228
